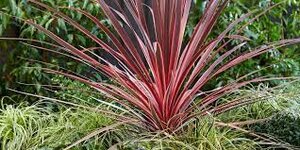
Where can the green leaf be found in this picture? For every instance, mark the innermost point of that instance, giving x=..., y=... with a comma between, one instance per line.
x=81, y=39
x=1, y=29
x=38, y=87
x=70, y=38
x=48, y=23
x=62, y=24
x=251, y=34
x=13, y=6
x=85, y=3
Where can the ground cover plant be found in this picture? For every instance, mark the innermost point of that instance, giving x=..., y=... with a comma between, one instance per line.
x=157, y=75
x=284, y=123
x=39, y=126
x=34, y=127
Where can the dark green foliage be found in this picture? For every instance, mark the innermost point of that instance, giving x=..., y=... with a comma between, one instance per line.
x=279, y=23
x=76, y=92
x=285, y=127
x=282, y=22
x=20, y=64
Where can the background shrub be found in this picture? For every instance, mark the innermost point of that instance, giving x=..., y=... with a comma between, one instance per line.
x=21, y=64
x=285, y=127
x=279, y=23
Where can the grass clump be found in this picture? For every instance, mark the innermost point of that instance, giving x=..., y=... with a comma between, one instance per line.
x=200, y=134
x=275, y=116
x=39, y=126
x=35, y=127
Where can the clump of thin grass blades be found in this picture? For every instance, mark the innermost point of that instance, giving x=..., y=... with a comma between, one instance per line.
x=274, y=117
x=201, y=134
x=271, y=101
x=33, y=127
x=39, y=127
x=36, y=127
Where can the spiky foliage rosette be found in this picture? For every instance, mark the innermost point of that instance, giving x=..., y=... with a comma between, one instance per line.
x=158, y=74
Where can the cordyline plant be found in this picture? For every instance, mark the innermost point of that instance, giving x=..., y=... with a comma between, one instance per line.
x=158, y=74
